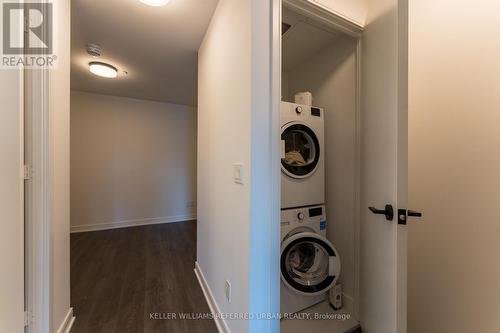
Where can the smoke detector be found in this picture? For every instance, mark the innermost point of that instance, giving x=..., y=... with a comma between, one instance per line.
x=94, y=50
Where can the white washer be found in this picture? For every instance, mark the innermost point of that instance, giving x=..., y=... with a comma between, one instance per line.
x=310, y=264
x=302, y=155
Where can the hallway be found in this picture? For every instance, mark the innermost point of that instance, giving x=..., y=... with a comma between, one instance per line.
x=122, y=278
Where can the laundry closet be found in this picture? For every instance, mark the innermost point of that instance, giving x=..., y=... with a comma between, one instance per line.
x=320, y=163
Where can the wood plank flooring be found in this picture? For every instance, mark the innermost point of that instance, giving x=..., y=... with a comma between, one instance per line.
x=120, y=277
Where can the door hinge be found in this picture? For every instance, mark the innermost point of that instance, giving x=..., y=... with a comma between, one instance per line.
x=28, y=318
x=28, y=172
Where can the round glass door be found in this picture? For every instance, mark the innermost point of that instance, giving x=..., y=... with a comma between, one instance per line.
x=301, y=155
x=309, y=263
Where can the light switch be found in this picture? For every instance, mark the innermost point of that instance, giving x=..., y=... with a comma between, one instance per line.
x=238, y=173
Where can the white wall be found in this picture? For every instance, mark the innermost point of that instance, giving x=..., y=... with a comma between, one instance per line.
x=59, y=126
x=331, y=77
x=224, y=134
x=238, y=223
x=11, y=202
x=132, y=161
x=454, y=169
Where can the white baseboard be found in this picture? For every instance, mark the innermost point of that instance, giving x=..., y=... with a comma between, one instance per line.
x=131, y=223
x=212, y=304
x=67, y=323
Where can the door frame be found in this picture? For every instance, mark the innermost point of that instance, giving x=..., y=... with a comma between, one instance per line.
x=265, y=198
x=36, y=97
x=322, y=15
x=402, y=165
x=270, y=35
x=339, y=23
x=37, y=220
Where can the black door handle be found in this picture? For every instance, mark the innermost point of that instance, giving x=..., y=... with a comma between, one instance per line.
x=403, y=213
x=388, y=212
x=414, y=213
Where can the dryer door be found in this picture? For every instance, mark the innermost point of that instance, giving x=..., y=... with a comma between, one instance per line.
x=301, y=150
x=310, y=265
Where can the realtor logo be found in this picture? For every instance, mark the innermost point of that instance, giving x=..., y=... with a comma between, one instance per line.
x=27, y=39
x=27, y=28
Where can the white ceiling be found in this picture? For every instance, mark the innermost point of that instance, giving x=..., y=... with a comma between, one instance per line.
x=156, y=46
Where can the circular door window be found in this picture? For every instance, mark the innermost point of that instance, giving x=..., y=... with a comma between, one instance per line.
x=309, y=263
x=301, y=155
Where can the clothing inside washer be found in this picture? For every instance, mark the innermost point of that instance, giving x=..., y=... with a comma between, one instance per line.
x=307, y=263
x=294, y=157
x=298, y=150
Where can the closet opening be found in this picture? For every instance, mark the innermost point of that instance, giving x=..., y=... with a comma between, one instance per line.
x=320, y=174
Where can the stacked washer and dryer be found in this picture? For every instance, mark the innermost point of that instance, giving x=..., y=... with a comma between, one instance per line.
x=310, y=264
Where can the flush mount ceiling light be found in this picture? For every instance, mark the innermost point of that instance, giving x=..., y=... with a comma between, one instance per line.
x=102, y=69
x=155, y=3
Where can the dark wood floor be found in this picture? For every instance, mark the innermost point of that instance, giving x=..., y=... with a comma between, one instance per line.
x=119, y=277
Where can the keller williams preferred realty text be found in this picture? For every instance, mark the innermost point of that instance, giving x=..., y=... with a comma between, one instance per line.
x=247, y=316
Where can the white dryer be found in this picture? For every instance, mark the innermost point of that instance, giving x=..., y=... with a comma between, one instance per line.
x=310, y=265
x=302, y=156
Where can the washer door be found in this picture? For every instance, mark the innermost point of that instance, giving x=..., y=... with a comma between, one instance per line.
x=301, y=150
x=310, y=265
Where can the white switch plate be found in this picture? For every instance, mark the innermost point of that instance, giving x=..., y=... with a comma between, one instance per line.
x=238, y=173
x=227, y=289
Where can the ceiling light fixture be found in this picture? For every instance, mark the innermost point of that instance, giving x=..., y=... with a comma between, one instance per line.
x=155, y=3
x=102, y=69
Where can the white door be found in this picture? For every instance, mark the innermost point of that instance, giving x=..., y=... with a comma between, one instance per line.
x=384, y=78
